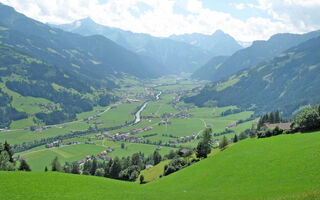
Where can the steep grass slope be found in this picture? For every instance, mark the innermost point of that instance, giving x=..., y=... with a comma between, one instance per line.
x=281, y=167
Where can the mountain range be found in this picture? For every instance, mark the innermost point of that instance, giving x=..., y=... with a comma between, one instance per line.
x=176, y=54
x=217, y=44
x=259, y=51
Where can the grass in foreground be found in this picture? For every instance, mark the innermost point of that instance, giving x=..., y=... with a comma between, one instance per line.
x=281, y=167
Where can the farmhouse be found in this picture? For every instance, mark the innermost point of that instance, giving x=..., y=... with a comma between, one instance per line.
x=147, y=128
x=149, y=166
x=99, y=136
x=284, y=126
x=232, y=125
x=184, y=151
x=110, y=135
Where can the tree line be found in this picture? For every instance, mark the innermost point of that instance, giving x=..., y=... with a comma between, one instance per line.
x=127, y=168
x=7, y=162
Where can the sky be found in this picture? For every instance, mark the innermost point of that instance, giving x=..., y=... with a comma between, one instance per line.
x=245, y=20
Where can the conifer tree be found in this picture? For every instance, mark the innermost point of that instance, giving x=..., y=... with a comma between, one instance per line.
x=94, y=166
x=141, y=179
x=235, y=138
x=24, y=166
x=75, y=169
x=156, y=157
x=7, y=148
x=56, y=166
x=223, y=143
x=204, y=146
x=115, y=168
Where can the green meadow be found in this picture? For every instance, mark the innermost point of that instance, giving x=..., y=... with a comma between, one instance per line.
x=38, y=159
x=281, y=167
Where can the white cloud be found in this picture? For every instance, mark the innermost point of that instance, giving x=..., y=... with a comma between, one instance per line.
x=240, y=6
x=303, y=15
x=161, y=20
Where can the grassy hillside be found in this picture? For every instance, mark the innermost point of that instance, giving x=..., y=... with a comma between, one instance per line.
x=280, y=167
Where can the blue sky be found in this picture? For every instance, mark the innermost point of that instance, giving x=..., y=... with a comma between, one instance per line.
x=245, y=20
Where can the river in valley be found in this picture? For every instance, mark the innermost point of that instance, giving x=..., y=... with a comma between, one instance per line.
x=138, y=113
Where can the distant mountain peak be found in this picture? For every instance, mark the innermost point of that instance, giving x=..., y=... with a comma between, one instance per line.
x=219, y=32
x=84, y=21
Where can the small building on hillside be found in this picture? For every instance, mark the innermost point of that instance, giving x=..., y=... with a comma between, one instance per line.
x=149, y=166
x=184, y=151
x=232, y=125
x=284, y=126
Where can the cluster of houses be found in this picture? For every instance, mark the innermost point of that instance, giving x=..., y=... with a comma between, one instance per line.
x=125, y=136
x=60, y=144
x=184, y=139
x=38, y=128
x=4, y=129
x=129, y=100
x=103, y=155
x=182, y=114
x=164, y=122
x=284, y=126
x=48, y=107
x=94, y=117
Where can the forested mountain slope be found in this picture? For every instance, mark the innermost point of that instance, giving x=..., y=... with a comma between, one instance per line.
x=285, y=82
x=259, y=51
x=205, y=72
x=94, y=56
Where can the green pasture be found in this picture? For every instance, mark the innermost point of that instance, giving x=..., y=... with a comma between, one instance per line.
x=283, y=167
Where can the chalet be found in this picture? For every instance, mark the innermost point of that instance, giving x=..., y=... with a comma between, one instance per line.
x=123, y=133
x=184, y=151
x=99, y=136
x=110, y=135
x=284, y=126
x=162, y=123
x=149, y=166
x=49, y=146
x=232, y=125
x=109, y=150
x=147, y=128
x=134, y=131
x=92, y=118
x=173, y=142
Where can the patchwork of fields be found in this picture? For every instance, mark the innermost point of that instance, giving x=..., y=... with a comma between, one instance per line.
x=172, y=124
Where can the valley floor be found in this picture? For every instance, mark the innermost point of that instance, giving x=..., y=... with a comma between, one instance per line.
x=171, y=124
